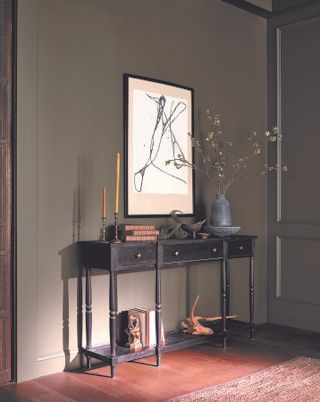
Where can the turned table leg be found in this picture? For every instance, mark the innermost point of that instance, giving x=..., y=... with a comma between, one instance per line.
x=224, y=302
x=113, y=320
x=251, y=299
x=88, y=314
x=158, y=314
x=228, y=287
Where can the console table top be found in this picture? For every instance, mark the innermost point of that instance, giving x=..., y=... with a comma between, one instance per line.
x=144, y=255
x=173, y=241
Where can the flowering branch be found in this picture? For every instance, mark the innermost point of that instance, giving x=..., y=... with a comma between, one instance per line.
x=214, y=155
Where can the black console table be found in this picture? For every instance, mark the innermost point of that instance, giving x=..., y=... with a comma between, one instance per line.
x=136, y=256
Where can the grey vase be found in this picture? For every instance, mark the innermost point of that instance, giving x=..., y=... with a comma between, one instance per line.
x=220, y=211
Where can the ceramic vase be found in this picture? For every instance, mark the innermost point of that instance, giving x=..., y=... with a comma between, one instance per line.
x=220, y=212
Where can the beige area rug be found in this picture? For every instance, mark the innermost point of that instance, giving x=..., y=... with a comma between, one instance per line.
x=296, y=380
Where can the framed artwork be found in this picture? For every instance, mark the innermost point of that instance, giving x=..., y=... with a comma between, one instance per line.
x=158, y=119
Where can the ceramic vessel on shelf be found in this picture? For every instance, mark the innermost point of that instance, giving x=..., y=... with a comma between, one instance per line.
x=220, y=212
x=220, y=219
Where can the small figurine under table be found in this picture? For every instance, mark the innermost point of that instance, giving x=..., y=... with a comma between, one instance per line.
x=134, y=334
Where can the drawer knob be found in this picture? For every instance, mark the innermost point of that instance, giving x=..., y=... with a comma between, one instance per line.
x=176, y=253
x=240, y=248
x=138, y=256
x=214, y=250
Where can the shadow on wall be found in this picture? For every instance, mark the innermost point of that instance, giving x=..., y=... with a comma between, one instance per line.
x=72, y=263
x=71, y=267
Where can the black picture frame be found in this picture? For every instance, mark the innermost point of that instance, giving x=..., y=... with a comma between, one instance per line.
x=156, y=113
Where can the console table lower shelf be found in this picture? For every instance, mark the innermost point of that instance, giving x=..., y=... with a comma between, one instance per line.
x=175, y=340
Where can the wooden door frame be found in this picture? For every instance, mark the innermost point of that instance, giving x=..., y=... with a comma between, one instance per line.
x=7, y=180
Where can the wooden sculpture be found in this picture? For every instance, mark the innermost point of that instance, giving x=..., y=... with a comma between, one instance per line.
x=191, y=325
x=134, y=334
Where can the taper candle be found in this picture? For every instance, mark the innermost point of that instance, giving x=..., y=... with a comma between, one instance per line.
x=104, y=203
x=116, y=209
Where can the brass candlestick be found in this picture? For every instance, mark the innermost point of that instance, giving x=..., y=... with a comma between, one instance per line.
x=116, y=229
x=103, y=230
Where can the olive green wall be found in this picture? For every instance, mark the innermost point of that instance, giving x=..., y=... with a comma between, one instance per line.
x=71, y=57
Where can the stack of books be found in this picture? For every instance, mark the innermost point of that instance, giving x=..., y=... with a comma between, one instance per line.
x=139, y=233
x=147, y=321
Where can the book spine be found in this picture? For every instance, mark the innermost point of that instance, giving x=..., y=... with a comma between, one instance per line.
x=162, y=336
x=141, y=238
x=139, y=227
x=152, y=328
x=141, y=233
x=147, y=328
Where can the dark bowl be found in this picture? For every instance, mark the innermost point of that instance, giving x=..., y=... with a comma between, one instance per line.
x=221, y=231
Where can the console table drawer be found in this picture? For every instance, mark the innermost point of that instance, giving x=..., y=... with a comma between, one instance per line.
x=191, y=252
x=138, y=255
x=240, y=248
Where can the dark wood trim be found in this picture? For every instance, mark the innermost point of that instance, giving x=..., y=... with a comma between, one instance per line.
x=278, y=5
x=6, y=183
x=278, y=8
x=295, y=9
x=251, y=8
x=14, y=191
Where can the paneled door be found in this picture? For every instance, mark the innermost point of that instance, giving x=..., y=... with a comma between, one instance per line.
x=294, y=196
x=6, y=188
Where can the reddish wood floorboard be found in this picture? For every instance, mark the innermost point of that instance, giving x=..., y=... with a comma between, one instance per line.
x=180, y=372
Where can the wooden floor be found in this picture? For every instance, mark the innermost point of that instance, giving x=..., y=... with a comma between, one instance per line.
x=180, y=372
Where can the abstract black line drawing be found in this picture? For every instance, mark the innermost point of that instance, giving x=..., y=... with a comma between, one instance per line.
x=163, y=124
x=158, y=119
